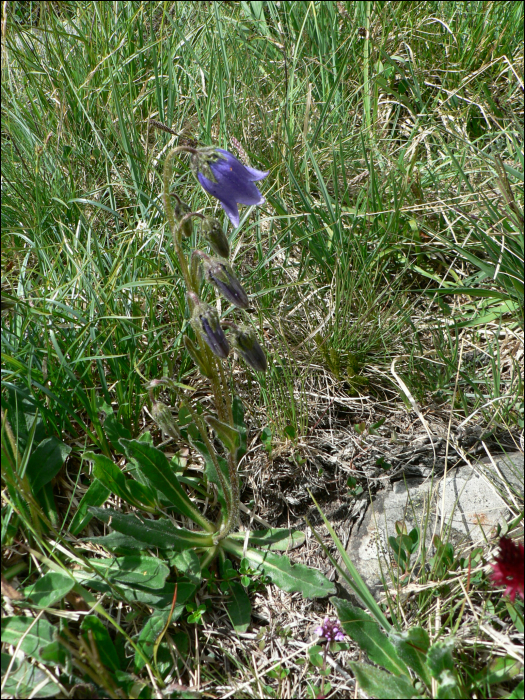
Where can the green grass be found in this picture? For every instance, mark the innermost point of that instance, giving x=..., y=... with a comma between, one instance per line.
x=393, y=227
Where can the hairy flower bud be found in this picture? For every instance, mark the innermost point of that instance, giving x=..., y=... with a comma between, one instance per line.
x=215, y=236
x=221, y=275
x=205, y=322
x=246, y=343
x=162, y=416
x=180, y=210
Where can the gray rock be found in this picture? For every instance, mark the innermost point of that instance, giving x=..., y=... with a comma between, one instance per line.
x=473, y=500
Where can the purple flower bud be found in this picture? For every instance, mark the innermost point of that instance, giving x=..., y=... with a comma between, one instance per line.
x=224, y=177
x=330, y=631
x=220, y=274
x=246, y=343
x=205, y=322
x=215, y=236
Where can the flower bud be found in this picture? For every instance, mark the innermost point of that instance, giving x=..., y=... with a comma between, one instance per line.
x=246, y=343
x=180, y=210
x=162, y=416
x=196, y=271
x=220, y=274
x=214, y=234
x=205, y=322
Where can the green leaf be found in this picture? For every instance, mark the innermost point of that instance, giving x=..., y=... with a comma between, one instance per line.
x=290, y=577
x=106, y=648
x=366, y=632
x=314, y=654
x=154, y=466
x=351, y=575
x=266, y=438
x=380, y=684
x=448, y=686
x=116, y=540
x=112, y=427
x=211, y=471
x=412, y=646
x=24, y=677
x=54, y=654
x=160, y=599
x=106, y=471
x=517, y=693
x=49, y=589
x=500, y=670
x=440, y=662
x=276, y=539
x=148, y=636
x=45, y=462
x=229, y=437
x=239, y=607
x=155, y=533
x=46, y=498
x=439, y=657
x=96, y=495
x=133, y=569
x=197, y=356
x=37, y=634
x=188, y=563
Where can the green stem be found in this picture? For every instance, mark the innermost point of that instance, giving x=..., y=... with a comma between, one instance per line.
x=233, y=513
x=203, y=431
x=226, y=396
x=209, y=557
x=176, y=228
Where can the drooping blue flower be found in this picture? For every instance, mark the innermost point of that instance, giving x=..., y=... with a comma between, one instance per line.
x=227, y=179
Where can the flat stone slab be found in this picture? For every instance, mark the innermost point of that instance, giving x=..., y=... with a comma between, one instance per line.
x=464, y=508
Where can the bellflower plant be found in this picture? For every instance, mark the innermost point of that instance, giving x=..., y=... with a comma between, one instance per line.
x=160, y=488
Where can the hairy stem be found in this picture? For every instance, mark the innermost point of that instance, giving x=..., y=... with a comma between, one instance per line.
x=176, y=228
x=203, y=431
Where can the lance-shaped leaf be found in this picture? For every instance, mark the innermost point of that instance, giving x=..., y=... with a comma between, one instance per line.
x=239, y=607
x=290, y=577
x=155, y=468
x=134, y=569
x=276, y=539
x=112, y=478
x=157, y=533
x=211, y=471
x=96, y=495
x=380, y=684
x=197, y=356
x=229, y=437
x=412, y=646
x=366, y=632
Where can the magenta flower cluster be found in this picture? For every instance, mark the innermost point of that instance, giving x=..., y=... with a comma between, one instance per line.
x=330, y=631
